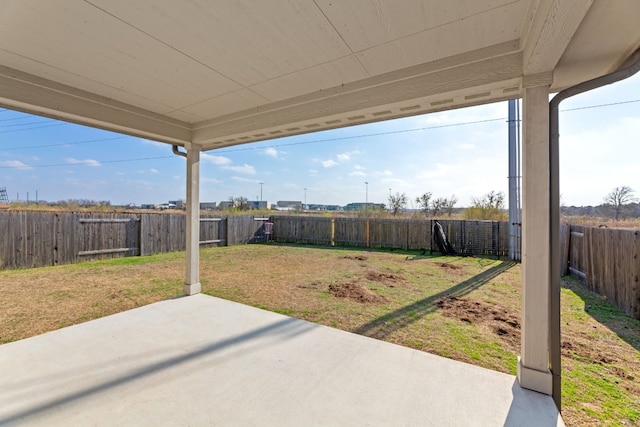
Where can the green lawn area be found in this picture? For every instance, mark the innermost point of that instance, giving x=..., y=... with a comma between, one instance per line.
x=464, y=308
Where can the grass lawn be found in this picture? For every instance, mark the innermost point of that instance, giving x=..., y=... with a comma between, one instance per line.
x=466, y=309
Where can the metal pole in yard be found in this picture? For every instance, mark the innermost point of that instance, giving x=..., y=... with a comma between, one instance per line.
x=514, y=181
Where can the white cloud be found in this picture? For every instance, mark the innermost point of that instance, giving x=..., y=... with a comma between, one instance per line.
x=329, y=163
x=248, y=169
x=216, y=160
x=270, y=151
x=346, y=156
x=153, y=170
x=88, y=162
x=210, y=181
x=156, y=144
x=313, y=172
x=357, y=173
x=440, y=170
x=15, y=164
x=241, y=179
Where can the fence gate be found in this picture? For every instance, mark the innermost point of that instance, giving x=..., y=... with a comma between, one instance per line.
x=114, y=236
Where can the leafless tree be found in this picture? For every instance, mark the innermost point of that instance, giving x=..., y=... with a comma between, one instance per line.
x=450, y=204
x=490, y=206
x=438, y=205
x=397, y=203
x=618, y=197
x=239, y=203
x=424, y=202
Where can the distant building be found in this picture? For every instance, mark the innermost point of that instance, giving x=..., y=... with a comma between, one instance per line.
x=359, y=206
x=288, y=205
x=259, y=204
x=318, y=207
x=176, y=204
x=225, y=204
x=208, y=206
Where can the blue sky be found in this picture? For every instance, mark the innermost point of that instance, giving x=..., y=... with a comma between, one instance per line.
x=461, y=153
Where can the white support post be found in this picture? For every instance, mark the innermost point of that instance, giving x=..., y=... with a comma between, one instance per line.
x=533, y=364
x=192, y=279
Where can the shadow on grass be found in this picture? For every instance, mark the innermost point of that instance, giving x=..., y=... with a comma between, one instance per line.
x=385, y=325
x=597, y=306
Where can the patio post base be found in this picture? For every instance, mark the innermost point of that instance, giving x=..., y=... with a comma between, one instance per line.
x=535, y=380
x=192, y=289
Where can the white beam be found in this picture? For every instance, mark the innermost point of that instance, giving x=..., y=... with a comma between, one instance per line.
x=533, y=365
x=35, y=95
x=192, y=279
x=310, y=112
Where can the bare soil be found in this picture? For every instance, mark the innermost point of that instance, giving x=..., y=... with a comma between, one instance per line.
x=356, y=292
x=503, y=322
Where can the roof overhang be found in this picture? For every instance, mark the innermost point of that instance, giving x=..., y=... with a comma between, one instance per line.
x=217, y=74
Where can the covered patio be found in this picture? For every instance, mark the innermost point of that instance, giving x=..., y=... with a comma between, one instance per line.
x=203, y=75
x=245, y=366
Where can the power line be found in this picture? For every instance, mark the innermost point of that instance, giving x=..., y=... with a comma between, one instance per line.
x=229, y=150
x=601, y=105
x=16, y=118
x=24, y=124
x=62, y=144
x=34, y=127
x=88, y=163
x=223, y=150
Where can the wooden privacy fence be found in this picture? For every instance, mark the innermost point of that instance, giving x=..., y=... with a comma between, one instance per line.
x=36, y=239
x=467, y=237
x=607, y=260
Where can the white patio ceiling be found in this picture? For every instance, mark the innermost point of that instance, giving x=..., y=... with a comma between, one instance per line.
x=220, y=73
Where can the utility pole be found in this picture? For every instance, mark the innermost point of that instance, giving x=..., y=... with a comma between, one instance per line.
x=305, y=196
x=366, y=195
x=261, y=184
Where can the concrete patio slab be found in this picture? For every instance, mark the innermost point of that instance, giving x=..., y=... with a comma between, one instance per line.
x=201, y=360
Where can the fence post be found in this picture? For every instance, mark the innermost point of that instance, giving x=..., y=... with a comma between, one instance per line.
x=140, y=236
x=333, y=232
x=366, y=230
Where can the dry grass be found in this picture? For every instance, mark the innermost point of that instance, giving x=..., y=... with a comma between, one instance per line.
x=467, y=309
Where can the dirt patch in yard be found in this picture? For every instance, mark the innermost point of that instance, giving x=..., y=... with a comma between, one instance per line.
x=356, y=292
x=356, y=257
x=386, y=279
x=448, y=266
x=503, y=322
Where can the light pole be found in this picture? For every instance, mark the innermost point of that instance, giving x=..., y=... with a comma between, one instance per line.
x=261, y=184
x=305, y=196
x=366, y=195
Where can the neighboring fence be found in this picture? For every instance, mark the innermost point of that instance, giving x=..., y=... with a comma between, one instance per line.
x=467, y=237
x=36, y=239
x=607, y=260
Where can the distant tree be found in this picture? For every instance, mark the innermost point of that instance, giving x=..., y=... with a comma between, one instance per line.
x=618, y=197
x=424, y=203
x=450, y=204
x=488, y=207
x=397, y=203
x=438, y=205
x=239, y=203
